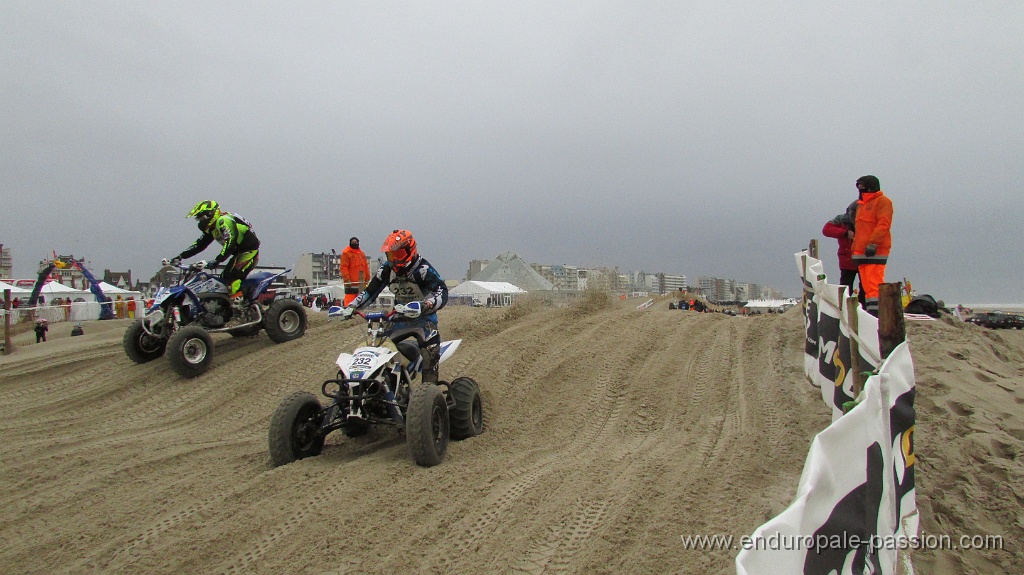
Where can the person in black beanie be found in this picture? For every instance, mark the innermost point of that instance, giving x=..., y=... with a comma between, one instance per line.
x=872, y=238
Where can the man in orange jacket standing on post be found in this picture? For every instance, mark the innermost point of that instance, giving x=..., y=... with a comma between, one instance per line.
x=872, y=239
x=355, y=272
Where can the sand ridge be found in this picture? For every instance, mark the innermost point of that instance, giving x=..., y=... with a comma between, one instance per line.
x=609, y=433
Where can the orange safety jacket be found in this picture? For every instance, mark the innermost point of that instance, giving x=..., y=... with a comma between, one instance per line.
x=874, y=218
x=353, y=261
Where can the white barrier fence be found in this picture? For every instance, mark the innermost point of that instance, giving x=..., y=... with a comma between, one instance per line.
x=855, y=509
x=75, y=311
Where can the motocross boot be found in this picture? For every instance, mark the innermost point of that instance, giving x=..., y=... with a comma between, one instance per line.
x=239, y=306
x=431, y=357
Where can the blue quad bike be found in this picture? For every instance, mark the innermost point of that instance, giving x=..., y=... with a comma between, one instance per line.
x=179, y=322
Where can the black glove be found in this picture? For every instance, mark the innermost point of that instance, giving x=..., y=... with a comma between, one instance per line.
x=213, y=265
x=176, y=261
x=870, y=250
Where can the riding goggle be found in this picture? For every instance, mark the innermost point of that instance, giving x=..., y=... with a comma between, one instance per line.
x=398, y=255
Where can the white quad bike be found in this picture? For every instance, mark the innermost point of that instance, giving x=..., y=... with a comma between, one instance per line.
x=375, y=386
x=182, y=317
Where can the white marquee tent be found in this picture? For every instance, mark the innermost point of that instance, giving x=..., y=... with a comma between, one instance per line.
x=499, y=294
x=773, y=305
x=57, y=289
x=113, y=289
x=15, y=290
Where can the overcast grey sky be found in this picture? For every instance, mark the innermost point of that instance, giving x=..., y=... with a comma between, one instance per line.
x=696, y=138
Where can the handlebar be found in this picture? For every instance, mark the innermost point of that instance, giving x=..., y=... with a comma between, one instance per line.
x=377, y=315
x=194, y=266
x=188, y=271
x=368, y=316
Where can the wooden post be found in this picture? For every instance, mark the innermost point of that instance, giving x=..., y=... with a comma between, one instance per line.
x=891, y=327
x=852, y=309
x=813, y=249
x=803, y=286
x=8, y=346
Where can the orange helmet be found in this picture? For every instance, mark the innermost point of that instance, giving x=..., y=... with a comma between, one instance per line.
x=400, y=248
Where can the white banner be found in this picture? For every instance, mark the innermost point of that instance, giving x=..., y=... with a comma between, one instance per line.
x=855, y=505
x=827, y=355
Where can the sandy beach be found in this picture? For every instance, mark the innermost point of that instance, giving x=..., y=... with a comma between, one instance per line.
x=609, y=434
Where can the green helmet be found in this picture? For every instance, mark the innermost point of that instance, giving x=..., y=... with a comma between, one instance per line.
x=205, y=213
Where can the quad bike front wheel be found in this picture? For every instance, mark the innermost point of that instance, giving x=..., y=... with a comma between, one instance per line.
x=285, y=320
x=190, y=351
x=467, y=417
x=295, y=429
x=426, y=425
x=140, y=346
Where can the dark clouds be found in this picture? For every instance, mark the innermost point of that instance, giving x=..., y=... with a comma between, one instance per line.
x=703, y=139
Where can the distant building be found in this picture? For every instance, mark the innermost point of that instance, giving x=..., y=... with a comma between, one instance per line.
x=565, y=278
x=318, y=269
x=70, y=275
x=603, y=279
x=6, y=262
x=510, y=268
x=122, y=280
x=165, y=277
x=670, y=283
x=475, y=267
x=635, y=282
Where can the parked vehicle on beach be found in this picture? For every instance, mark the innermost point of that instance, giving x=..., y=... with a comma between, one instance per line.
x=182, y=317
x=997, y=320
x=376, y=385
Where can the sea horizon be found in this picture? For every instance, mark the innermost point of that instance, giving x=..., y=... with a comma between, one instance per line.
x=1018, y=307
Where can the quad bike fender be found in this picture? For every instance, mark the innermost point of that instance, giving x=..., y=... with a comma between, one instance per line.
x=364, y=361
x=166, y=296
x=175, y=292
x=448, y=349
x=257, y=283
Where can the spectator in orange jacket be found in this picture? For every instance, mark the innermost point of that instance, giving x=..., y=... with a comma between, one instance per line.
x=872, y=239
x=355, y=272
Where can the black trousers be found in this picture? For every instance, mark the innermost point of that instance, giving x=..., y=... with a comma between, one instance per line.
x=846, y=278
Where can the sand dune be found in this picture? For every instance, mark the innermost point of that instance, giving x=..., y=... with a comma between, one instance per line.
x=609, y=434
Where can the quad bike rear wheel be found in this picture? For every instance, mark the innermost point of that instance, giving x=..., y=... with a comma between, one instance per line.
x=295, y=429
x=426, y=425
x=467, y=417
x=140, y=346
x=285, y=320
x=190, y=351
